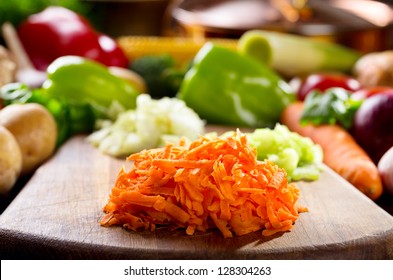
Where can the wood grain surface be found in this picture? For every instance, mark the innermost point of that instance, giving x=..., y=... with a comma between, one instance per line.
x=56, y=216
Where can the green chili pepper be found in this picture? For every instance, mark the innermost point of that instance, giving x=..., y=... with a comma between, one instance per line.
x=226, y=87
x=80, y=80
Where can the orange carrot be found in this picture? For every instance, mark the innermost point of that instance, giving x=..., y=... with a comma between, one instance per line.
x=341, y=152
x=213, y=183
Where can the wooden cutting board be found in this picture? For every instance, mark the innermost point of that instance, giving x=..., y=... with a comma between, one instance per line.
x=57, y=214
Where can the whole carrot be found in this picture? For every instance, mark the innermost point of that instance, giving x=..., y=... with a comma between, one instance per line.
x=341, y=152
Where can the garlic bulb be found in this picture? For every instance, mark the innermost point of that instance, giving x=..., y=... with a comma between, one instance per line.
x=385, y=168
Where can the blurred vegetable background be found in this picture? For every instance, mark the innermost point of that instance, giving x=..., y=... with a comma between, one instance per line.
x=245, y=83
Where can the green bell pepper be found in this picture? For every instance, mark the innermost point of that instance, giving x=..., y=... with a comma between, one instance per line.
x=83, y=81
x=226, y=87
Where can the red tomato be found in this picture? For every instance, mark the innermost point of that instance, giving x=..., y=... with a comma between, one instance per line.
x=367, y=92
x=323, y=82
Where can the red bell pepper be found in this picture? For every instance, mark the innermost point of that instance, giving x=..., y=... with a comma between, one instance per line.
x=57, y=31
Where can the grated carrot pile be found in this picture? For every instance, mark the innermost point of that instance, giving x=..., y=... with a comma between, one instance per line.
x=212, y=183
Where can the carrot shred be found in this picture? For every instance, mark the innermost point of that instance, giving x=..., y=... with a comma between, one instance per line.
x=213, y=183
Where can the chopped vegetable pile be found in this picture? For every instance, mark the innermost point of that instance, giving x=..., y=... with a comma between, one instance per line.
x=152, y=124
x=298, y=155
x=212, y=183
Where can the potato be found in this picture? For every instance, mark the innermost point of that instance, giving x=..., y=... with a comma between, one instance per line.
x=10, y=160
x=35, y=130
x=375, y=69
